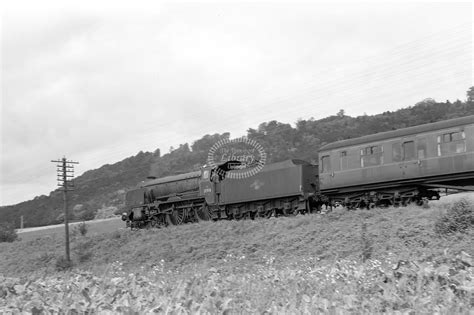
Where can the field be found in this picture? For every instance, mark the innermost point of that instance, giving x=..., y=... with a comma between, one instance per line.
x=94, y=227
x=382, y=260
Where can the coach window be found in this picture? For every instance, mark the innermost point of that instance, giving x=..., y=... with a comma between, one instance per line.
x=371, y=156
x=421, y=147
x=326, y=164
x=396, y=152
x=344, y=160
x=409, y=150
x=453, y=142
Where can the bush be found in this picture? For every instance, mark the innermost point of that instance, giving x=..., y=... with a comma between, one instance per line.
x=82, y=228
x=79, y=229
x=87, y=215
x=119, y=211
x=7, y=232
x=459, y=218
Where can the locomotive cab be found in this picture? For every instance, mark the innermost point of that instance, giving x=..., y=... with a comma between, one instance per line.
x=207, y=186
x=212, y=178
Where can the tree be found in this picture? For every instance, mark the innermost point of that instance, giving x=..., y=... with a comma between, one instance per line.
x=470, y=94
x=206, y=142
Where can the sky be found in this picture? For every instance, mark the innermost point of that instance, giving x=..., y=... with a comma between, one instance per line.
x=98, y=84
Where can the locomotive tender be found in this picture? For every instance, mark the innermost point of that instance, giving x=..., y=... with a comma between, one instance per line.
x=389, y=168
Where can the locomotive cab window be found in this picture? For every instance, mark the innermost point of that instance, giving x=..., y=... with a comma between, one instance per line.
x=450, y=143
x=205, y=174
x=371, y=156
x=326, y=164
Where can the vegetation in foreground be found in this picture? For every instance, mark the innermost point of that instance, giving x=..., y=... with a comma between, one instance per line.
x=382, y=260
x=239, y=285
x=7, y=232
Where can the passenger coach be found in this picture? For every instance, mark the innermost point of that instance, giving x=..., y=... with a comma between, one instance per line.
x=399, y=166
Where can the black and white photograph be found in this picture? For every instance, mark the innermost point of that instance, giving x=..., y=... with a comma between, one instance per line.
x=236, y=157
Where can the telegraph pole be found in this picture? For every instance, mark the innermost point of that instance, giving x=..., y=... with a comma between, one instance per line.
x=65, y=171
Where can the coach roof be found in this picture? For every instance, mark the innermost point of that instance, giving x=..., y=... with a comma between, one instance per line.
x=445, y=124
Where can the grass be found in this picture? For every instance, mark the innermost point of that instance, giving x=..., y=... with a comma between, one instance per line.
x=339, y=262
x=407, y=232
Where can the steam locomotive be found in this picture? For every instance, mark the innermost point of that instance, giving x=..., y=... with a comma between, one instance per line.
x=393, y=168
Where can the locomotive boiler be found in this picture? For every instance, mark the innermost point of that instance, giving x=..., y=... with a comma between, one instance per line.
x=163, y=201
